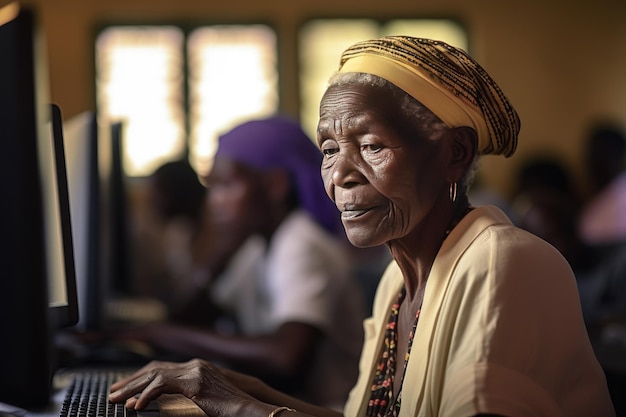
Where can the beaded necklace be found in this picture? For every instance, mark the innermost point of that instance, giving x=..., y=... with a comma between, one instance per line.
x=382, y=403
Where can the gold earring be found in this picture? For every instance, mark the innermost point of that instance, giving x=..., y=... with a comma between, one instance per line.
x=453, y=191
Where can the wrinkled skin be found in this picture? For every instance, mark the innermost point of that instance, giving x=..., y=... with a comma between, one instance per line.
x=197, y=380
x=382, y=173
x=219, y=392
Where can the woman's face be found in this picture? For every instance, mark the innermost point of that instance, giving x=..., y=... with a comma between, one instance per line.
x=383, y=174
x=236, y=197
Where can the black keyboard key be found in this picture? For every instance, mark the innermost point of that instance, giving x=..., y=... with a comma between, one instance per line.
x=88, y=396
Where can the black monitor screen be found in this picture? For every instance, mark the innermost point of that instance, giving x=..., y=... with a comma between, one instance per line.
x=33, y=216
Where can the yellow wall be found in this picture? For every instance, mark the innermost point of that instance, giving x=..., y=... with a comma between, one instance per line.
x=561, y=62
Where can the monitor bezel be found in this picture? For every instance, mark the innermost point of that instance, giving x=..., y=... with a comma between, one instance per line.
x=64, y=315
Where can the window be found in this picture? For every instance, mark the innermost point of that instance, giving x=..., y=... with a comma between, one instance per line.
x=177, y=92
x=139, y=81
x=321, y=42
x=232, y=77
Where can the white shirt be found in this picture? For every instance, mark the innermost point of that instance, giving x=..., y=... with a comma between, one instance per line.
x=305, y=275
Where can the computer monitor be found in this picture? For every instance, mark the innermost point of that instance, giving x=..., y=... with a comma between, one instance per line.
x=100, y=223
x=81, y=139
x=62, y=295
x=118, y=244
x=33, y=216
x=99, y=208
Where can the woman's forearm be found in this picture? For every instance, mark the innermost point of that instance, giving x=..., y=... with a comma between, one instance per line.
x=263, y=392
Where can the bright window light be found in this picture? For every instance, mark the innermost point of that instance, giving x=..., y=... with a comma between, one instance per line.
x=321, y=44
x=322, y=41
x=139, y=81
x=233, y=76
x=176, y=94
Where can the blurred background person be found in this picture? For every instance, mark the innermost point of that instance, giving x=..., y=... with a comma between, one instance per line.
x=603, y=220
x=173, y=238
x=285, y=274
x=545, y=202
x=548, y=172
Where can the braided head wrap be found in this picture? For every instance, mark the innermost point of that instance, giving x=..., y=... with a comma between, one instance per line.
x=446, y=80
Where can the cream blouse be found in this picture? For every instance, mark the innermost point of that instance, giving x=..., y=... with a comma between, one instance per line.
x=501, y=331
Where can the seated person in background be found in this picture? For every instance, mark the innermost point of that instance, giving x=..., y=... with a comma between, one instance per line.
x=603, y=219
x=172, y=236
x=545, y=203
x=474, y=316
x=289, y=283
x=550, y=173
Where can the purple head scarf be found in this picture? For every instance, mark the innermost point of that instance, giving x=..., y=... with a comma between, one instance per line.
x=280, y=142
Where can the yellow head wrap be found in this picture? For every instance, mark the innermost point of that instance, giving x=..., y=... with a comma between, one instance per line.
x=446, y=80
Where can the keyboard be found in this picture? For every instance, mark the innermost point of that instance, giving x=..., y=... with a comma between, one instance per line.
x=87, y=395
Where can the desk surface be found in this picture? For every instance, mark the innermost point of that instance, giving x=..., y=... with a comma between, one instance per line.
x=175, y=405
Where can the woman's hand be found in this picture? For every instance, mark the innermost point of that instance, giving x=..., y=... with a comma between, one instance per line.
x=198, y=380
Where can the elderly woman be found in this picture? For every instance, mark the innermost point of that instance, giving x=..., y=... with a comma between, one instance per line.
x=474, y=316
